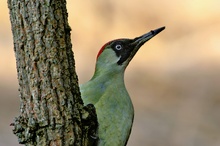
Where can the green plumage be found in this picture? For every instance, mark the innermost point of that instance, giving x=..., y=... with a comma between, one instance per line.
x=106, y=90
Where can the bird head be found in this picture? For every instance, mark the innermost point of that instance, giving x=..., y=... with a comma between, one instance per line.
x=115, y=55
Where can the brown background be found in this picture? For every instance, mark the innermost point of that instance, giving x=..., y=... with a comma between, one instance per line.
x=173, y=80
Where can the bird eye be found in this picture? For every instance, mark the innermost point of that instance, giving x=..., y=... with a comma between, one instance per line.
x=118, y=47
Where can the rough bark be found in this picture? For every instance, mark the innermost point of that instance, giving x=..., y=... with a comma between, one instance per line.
x=52, y=111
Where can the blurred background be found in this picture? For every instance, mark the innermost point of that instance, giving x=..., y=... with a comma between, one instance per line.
x=173, y=80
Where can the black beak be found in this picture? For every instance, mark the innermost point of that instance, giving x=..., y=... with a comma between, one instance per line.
x=136, y=43
x=139, y=41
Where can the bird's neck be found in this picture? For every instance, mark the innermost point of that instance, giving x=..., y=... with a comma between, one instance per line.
x=108, y=72
x=108, y=75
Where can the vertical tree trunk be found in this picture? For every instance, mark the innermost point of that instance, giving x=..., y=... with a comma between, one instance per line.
x=51, y=107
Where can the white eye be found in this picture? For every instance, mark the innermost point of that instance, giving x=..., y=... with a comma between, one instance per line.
x=118, y=47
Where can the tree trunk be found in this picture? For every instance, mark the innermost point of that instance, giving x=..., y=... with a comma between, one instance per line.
x=52, y=111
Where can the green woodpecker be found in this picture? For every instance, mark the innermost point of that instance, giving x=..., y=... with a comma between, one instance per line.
x=107, y=92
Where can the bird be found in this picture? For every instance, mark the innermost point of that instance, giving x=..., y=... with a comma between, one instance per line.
x=106, y=89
